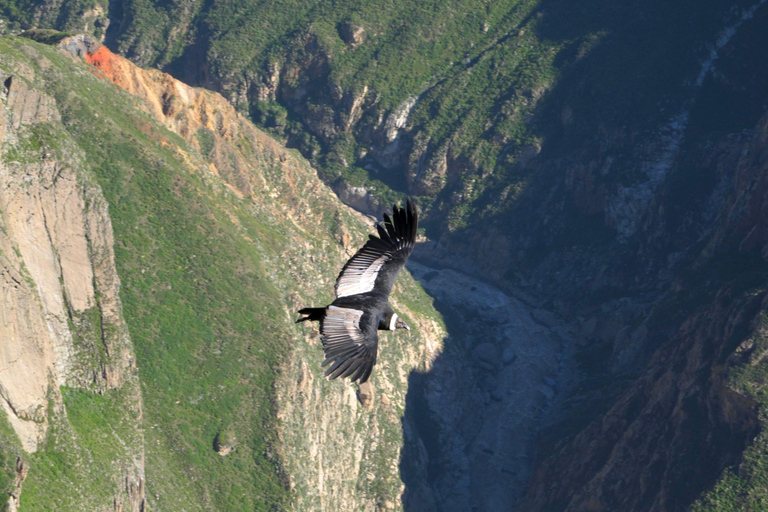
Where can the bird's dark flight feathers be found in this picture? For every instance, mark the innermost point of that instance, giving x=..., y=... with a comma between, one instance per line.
x=350, y=342
x=349, y=325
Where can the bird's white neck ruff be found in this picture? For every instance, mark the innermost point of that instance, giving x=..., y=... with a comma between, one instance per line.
x=392, y=322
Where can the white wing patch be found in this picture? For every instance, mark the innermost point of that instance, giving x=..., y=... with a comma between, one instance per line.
x=360, y=275
x=341, y=323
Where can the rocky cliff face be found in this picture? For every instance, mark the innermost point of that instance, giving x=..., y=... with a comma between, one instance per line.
x=651, y=243
x=339, y=444
x=682, y=346
x=670, y=435
x=633, y=207
x=62, y=321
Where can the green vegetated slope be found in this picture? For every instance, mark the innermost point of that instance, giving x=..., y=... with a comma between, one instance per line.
x=67, y=15
x=204, y=318
x=500, y=93
x=86, y=452
x=207, y=295
x=744, y=486
x=492, y=83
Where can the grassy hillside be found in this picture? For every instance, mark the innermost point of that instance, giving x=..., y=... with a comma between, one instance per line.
x=491, y=85
x=530, y=130
x=490, y=96
x=539, y=121
x=203, y=315
x=207, y=296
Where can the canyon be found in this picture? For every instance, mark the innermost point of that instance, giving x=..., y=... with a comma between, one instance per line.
x=589, y=292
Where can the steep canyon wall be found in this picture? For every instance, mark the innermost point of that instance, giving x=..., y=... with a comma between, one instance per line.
x=62, y=324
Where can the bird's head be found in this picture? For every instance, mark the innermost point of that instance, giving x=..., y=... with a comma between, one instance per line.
x=395, y=322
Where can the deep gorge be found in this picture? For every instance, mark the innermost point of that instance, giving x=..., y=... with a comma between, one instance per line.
x=590, y=290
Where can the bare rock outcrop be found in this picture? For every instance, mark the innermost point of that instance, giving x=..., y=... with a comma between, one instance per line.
x=28, y=105
x=60, y=313
x=352, y=33
x=681, y=405
x=365, y=394
x=22, y=468
x=58, y=240
x=225, y=443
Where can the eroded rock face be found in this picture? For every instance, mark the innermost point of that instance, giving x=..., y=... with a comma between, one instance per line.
x=22, y=468
x=38, y=350
x=61, y=318
x=359, y=198
x=339, y=447
x=28, y=105
x=58, y=238
x=365, y=394
x=675, y=429
x=352, y=33
x=745, y=209
x=668, y=436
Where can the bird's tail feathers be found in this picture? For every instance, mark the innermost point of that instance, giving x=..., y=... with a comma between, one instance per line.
x=315, y=314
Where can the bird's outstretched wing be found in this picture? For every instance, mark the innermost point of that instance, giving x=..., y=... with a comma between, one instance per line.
x=377, y=264
x=350, y=343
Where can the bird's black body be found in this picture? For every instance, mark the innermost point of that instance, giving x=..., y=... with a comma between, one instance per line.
x=350, y=323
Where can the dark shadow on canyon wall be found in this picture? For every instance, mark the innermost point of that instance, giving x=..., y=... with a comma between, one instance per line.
x=619, y=257
x=470, y=422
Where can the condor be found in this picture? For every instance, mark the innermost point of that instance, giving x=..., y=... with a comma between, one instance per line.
x=349, y=325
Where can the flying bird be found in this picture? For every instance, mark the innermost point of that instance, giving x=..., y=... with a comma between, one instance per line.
x=349, y=325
